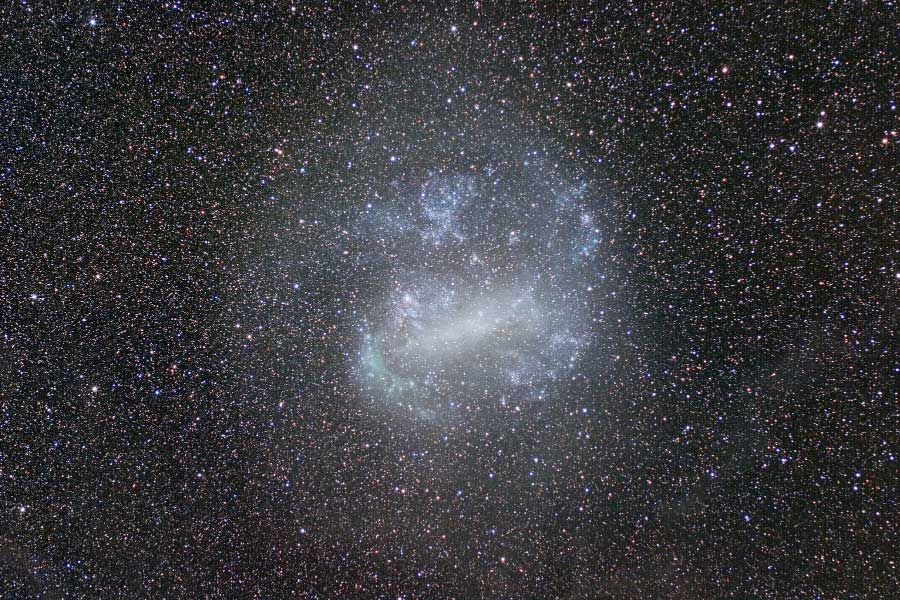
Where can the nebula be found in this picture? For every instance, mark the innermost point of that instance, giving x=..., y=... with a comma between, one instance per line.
x=486, y=296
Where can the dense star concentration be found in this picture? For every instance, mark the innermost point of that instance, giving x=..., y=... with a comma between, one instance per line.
x=582, y=300
x=488, y=278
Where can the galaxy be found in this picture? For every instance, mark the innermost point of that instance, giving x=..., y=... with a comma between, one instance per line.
x=461, y=300
x=488, y=278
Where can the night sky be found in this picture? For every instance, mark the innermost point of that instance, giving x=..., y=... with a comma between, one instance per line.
x=452, y=300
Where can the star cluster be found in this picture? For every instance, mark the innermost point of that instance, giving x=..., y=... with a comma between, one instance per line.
x=457, y=300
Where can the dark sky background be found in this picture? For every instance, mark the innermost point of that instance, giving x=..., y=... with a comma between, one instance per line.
x=189, y=262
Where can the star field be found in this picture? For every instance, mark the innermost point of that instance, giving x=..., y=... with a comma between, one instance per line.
x=397, y=300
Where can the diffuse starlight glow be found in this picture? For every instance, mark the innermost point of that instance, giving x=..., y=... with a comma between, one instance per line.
x=489, y=306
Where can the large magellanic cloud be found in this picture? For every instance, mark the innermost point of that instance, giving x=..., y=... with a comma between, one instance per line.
x=485, y=285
